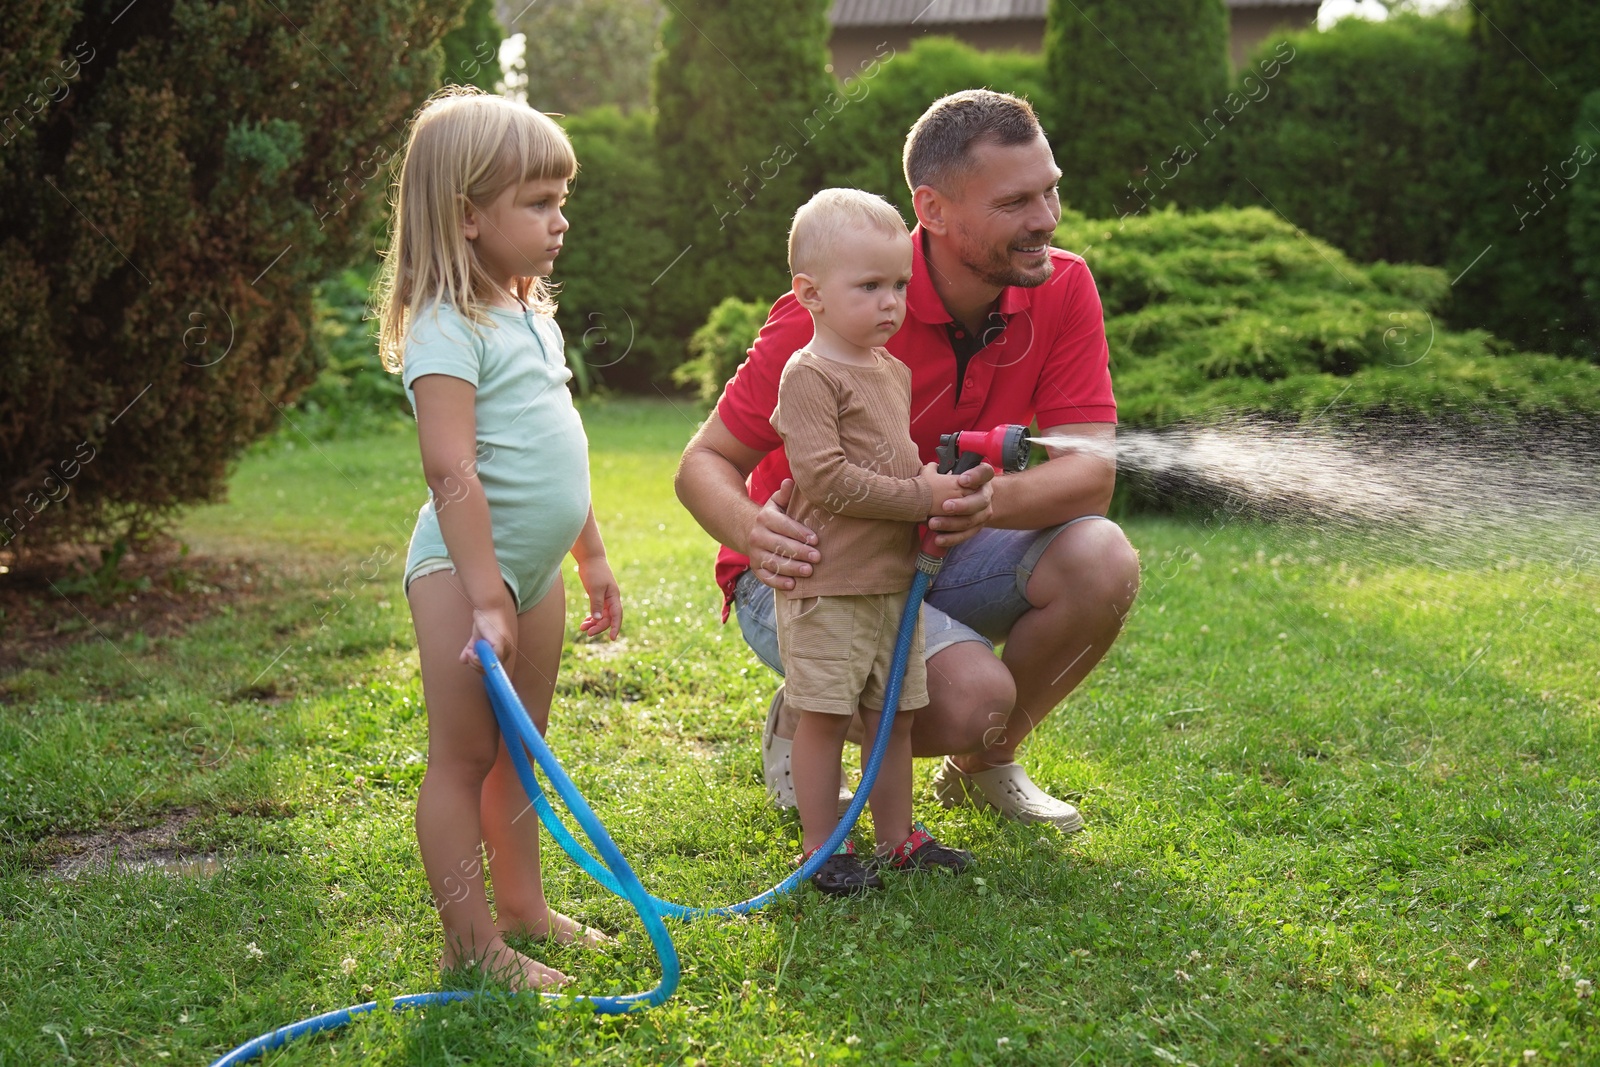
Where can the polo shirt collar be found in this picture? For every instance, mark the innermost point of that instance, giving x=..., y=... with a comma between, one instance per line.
x=923, y=302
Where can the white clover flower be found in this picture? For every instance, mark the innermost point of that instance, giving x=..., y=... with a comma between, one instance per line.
x=253, y=952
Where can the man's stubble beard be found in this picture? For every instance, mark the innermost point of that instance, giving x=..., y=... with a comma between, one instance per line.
x=995, y=267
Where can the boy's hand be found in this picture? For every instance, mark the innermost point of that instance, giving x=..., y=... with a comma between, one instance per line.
x=958, y=516
x=605, y=599
x=496, y=624
x=943, y=486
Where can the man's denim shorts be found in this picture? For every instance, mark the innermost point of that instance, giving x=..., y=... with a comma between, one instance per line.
x=978, y=595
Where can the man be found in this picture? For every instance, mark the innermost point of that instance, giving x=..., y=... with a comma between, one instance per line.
x=1001, y=328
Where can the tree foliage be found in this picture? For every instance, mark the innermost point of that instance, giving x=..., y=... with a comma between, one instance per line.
x=165, y=227
x=615, y=249
x=472, y=49
x=862, y=145
x=1128, y=81
x=1362, y=135
x=1537, y=60
x=740, y=86
x=581, y=54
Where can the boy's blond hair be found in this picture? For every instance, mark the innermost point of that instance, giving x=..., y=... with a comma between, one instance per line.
x=823, y=219
x=465, y=146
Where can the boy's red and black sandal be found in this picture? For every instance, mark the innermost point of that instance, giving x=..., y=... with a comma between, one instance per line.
x=843, y=874
x=924, y=852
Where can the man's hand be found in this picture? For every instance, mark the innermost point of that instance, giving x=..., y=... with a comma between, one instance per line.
x=780, y=548
x=961, y=518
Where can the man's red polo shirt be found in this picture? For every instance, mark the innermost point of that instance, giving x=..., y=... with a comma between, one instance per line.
x=1049, y=362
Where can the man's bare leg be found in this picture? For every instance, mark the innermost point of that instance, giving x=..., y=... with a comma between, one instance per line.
x=979, y=707
x=1082, y=589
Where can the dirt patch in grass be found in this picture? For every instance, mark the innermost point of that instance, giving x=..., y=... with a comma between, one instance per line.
x=51, y=600
x=154, y=847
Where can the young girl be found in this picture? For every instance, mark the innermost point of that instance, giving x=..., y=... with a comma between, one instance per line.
x=465, y=314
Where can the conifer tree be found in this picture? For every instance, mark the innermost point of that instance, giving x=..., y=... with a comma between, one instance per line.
x=741, y=90
x=1130, y=81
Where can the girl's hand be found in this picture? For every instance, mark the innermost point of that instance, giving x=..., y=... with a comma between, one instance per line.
x=605, y=599
x=496, y=624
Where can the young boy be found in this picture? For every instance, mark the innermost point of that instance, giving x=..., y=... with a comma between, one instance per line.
x=844, y=415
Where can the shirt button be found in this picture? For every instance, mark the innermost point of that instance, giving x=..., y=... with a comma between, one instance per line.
x=967, y=384
x=960, y=334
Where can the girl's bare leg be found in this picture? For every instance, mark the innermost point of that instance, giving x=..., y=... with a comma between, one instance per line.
x=463, y=743
x=510, y=825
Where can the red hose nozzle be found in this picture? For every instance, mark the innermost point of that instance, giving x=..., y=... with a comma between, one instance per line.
x=1005, y=448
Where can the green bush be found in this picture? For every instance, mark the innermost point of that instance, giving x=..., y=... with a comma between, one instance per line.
x=718, y=347
x=164, y=230
x=353, y=393
x=1128, y=80
x=1537, y=60
x=862, y=146
x=1364, y=137
x=737, y=85
x=616, y=248
x=1237, y=311
x=1583, y=221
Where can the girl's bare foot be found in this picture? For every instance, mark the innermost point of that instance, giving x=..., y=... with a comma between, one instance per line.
x=505, y=964
x=556, y=927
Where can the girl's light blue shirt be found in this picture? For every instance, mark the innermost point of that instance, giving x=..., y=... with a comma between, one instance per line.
x=533, y=455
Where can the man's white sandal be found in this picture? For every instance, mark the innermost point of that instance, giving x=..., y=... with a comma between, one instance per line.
x=1006, y=789
x=775, y=757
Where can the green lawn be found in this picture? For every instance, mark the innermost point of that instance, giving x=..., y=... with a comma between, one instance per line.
x=1341, y=808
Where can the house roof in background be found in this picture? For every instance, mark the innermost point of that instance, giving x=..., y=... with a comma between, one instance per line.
x=922, y=12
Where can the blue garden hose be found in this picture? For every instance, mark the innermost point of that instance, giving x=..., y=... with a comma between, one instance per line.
x=610, y=869
x=618, y=873
x=514, y=722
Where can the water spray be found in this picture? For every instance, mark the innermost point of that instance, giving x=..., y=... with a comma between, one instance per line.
x=1453, y=491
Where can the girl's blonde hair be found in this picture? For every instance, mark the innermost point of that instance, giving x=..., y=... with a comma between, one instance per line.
x=466, y=146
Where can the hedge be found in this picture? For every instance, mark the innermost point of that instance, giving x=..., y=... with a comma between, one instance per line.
x=739, y=85
x=1128, y=80
x=1537, y=60
x=862, y=146
x=1364, y=136
x=1236, y=310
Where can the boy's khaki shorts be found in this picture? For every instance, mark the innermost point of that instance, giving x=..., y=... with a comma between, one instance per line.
x=837, y=652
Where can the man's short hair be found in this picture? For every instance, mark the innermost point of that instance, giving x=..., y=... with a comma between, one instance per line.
x=939, y=147
x=831, y=213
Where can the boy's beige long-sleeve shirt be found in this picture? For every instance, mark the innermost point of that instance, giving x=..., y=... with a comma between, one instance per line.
x=847, y=432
